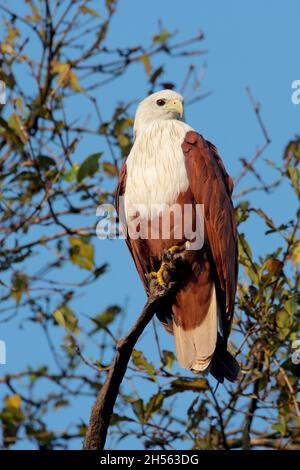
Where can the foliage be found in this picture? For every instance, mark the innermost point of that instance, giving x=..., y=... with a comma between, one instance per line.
x=53, y=58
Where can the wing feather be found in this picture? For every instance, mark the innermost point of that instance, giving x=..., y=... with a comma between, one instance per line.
x=212, y=186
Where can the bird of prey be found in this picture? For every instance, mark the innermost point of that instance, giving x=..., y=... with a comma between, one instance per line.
x=170, y=163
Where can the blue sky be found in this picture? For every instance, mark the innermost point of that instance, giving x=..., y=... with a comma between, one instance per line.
x=254, y=44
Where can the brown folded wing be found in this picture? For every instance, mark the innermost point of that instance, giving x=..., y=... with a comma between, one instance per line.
x=212, y=186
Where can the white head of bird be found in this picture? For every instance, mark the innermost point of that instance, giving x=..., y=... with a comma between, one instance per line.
x=160, y=106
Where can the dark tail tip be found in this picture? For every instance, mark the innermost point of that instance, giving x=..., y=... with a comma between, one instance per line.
x=224, y=365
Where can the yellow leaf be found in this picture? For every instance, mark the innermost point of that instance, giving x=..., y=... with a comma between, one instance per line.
x=124, y=140
x=60, y=68
x=14, y=401
x=86, y=9
x=66, y=318
x=146, y=61
x=296, y=256
x=66, y=75
x=6, y=48
x=16, y=124
x=110, y=169
x=73, y=81
x=81, y=253
x=35, y=13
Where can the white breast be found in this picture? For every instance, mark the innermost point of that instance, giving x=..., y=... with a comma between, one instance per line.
x=156, y=171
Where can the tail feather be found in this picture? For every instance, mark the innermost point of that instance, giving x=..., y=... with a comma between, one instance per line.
x=224, y=365
x=195, y=347
x=202, y=347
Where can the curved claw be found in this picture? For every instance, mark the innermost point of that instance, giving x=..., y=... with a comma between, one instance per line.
x=171, y=253
x=168, y=264
x=159, y=275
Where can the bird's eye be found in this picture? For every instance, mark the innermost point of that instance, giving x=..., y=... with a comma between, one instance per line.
x=160, y=102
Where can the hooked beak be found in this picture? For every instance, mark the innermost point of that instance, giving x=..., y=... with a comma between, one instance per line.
x=175, y=106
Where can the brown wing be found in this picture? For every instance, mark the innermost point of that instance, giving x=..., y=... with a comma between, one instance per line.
x=120, y=191
x=212, y=186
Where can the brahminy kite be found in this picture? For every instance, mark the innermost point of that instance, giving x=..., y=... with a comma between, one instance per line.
x=171, y=164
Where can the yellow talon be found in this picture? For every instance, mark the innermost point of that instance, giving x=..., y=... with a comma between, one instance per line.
x=159, y=274
x=175, y=248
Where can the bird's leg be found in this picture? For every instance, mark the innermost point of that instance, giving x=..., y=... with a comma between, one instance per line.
x=168, y=265
x=159, y=275
x=177, y=249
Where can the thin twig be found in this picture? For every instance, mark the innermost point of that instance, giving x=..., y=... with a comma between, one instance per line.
x=290, y=387
x=249, y=164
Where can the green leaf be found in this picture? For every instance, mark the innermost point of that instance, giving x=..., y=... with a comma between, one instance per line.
x=141, y=362
x=66, y=318
x=20, y=104
x=294, y=175
x=105, y=318
x=242, y=212
x=71, y=174
x=283, y=319
x=116, y=418
x=15, y=123
x=263, y=215
x=244, y=246
x=245, y=258
x=279, y=427
x=19, y=286
x=124, y=140
x=138, y=408
x=11, y=418
x=263, y=382
x=292, y=304
x=81, y=252
x=100, y=270
x=163, y=36
x=89, y=167
x=274, y=266
x=154, y=405
x=61, y=404
x=195, y=385
x=168, y=358
x=45, y=162
x=296, y=256
x=156, y=74
x=110, y=169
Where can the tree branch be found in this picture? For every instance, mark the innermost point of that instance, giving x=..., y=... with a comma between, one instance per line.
x=103, y=408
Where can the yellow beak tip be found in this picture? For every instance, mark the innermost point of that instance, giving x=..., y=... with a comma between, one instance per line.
x=176, y=106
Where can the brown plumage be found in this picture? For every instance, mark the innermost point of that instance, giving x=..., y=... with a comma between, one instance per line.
x=201, y=313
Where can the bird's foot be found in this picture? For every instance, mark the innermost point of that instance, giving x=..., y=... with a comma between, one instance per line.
x=177, y=249
x=158, y=275
x=165, y=278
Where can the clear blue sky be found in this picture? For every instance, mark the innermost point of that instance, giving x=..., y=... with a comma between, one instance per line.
x=253, y=43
